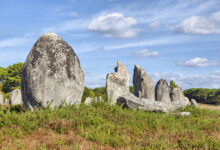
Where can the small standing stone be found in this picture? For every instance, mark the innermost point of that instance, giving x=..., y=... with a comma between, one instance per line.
x=15, y=97
x=194, y=103
x=162, y=91
x=1, y=99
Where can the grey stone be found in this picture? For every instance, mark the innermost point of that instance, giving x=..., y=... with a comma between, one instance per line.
x=143, y=84
x=131, y=101
x=162, y=91
x=194, y=103
x=52, y=74
x=15, y=97
x=1, y=99
x=117, y=83
x=183, y=114
x=177, y=94
x=88, y=101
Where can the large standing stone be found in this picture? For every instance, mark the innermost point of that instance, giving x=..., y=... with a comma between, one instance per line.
x=1, y=99
x=52, y=74
x=15, y=97
x=143, y=84
x=117, y=83
x=162, y=91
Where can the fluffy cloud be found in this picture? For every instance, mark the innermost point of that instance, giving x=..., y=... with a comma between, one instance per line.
x=211, y=80
x=145, y=53
x=200, y=25
x=114, y=25
x=154, y=25
x=199, y=62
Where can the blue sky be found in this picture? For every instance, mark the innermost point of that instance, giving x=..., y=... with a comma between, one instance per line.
x=173, y=39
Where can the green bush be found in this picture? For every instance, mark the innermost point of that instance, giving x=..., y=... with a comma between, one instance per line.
x=206, y=96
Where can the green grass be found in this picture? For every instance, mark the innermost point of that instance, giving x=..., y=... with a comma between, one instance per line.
x=117, y=127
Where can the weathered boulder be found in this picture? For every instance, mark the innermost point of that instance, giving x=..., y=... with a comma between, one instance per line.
x=52, y=74
x=162, y=91
x=177, y=94
x=194, y=103
x=143, y=84
x=15, y=97
x=1, y=99
x=117, y=83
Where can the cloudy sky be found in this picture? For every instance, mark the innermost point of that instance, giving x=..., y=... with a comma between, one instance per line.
x=173, y=39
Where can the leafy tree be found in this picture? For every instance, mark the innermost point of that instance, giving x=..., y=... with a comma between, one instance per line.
x=172, y=85
x=87, y=93
x=11, y=77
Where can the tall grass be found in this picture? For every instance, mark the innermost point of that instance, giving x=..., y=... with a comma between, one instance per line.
x=118, y=127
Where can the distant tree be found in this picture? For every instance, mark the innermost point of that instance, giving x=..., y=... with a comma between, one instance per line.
x=206, y=96
x=10, y=77
x=172, y=85
x=131, y=89
x=87, y=93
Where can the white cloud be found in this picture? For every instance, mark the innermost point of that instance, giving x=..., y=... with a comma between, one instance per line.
x=154, y=25
x=67, y=26
x=13, y=42
x=145, y=53
x=200, y=25
x=199, y=62
x=114, y=25
x=210, y=80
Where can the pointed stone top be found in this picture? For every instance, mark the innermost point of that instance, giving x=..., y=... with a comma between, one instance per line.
x=120, y=67
x=50, y=35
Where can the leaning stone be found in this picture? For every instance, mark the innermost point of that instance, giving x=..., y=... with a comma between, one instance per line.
x=15, y=97
x=162, y=91
x=194, y=103
x=143, y=84
x=52, y=74
x=117, y=83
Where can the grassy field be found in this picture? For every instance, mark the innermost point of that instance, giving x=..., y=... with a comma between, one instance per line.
x=107, y=127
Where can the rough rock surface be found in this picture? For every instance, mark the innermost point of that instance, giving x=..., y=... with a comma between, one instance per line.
x=52, y=74
x=15, y=97
x=162, y=91
x=134, y=102
x=143, y=84
x=194, y=103
x=117, y=83
x=177, y=94
x=1, y=99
